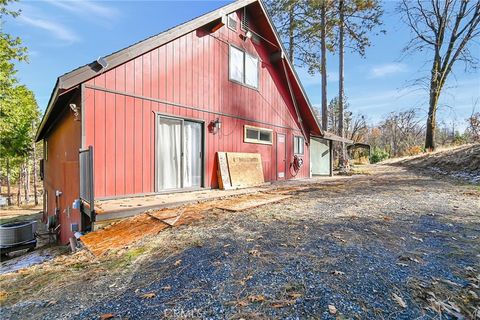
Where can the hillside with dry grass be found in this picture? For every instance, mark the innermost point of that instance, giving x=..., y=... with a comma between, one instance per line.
x=461, y=162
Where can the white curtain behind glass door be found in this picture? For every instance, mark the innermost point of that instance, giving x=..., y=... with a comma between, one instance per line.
x=192, y=169
x=169, y=153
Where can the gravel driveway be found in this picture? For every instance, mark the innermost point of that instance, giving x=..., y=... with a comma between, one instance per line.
x=392, y=244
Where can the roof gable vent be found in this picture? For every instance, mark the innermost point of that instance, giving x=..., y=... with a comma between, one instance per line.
x=244, y=24
x=232, y=22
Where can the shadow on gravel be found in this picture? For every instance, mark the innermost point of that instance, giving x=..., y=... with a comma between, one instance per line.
x=295, y=270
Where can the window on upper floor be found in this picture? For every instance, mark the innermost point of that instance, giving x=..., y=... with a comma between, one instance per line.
x=298, y=145
x=243, y=67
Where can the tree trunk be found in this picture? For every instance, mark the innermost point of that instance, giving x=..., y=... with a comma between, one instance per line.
x=9, y=196
x=291, y=34
x=19, y=192
x=341, y=131
x=26, y=181
x=34, y=159
x=431, y=119
x=323, y=35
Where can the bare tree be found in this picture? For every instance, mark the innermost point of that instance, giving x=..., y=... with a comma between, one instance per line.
x=399, y=132
x=446, y=28
x=474, y=126
x=473, y=122
x=356, y=127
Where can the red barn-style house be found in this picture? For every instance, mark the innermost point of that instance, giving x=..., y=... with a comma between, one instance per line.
x=150, y=118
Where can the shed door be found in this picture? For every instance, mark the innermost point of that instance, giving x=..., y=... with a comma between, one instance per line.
x=319, y=156
x=281, y=156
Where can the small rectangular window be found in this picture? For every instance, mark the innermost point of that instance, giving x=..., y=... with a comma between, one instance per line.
x=298, y=145
x=232, y=22
x=258, y=135
x=236, y=64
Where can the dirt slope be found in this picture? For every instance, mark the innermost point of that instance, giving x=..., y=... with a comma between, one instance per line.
x=461, y=162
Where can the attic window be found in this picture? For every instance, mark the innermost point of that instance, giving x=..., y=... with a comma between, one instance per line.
x=243, y=68
x=232, y=22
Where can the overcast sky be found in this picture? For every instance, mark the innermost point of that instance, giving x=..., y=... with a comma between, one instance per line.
x=63, y=35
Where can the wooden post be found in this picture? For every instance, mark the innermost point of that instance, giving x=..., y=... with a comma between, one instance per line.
x=330, y=144
x=73, y=244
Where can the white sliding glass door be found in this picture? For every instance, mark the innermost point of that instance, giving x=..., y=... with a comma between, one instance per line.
x=179, y=155
x=192, y=142
x=169, y=153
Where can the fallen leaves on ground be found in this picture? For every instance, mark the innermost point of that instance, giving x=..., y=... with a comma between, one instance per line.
x=256, y=298
x=332, y=309
x=282, y=303
x=149, y=295
x=294, y=295
x=399, y=300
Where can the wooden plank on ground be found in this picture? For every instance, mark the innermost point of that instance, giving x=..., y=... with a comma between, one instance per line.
x=245, y=169
x=251, y=201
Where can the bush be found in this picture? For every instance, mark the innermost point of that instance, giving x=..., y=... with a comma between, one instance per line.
x=414, y=150
x=378, y=155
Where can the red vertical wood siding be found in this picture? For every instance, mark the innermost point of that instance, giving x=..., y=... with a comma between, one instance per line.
x=62, y=171
x=191, y=71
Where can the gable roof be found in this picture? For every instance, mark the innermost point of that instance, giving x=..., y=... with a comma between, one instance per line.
x=72, y=79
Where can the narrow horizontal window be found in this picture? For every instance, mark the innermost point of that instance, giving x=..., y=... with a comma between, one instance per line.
x=298, y=145
x=258, y=135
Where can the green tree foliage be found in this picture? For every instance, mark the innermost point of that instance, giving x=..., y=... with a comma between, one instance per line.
x=361, y=18
x=11, y=50
x=378, y=155
x=18, y=114
x=298, y=24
